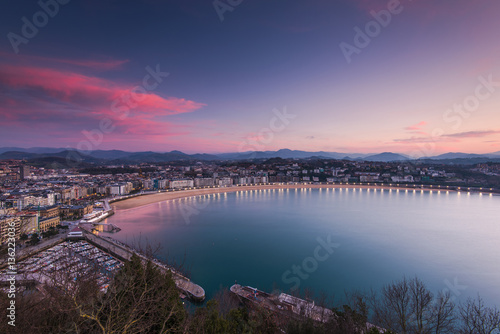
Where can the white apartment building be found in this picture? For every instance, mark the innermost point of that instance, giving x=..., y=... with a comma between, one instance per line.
x=176, y=184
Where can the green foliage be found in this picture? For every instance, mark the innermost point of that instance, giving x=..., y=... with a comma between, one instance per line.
x=142, y=299
x=50, y=232
x=210, y=320
x=305, y=327
x=34, y=239
x=238, y=320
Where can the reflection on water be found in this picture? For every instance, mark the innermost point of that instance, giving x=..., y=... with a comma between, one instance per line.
x=255, y=236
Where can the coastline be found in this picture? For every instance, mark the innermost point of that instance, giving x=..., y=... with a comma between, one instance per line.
x=147, y=199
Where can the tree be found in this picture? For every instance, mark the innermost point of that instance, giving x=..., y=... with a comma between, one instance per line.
x=51, y=309
x=141, y=299
x=478, y=318
x=392, y=308
x=209, y=320
x=421, y=299
x=442, y=318
x=406, y=306
x=358, y=303
x=34, y=239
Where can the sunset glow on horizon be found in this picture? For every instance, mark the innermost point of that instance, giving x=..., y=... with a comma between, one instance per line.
x=410, y=77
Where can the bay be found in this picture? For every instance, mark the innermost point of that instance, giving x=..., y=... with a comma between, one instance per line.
x=279, y=239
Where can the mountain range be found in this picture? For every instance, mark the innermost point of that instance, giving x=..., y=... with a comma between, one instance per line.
x=118, y=156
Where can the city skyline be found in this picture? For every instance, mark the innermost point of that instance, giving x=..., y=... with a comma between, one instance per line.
x=411, y=77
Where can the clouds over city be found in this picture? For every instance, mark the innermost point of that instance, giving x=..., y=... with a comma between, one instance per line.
x=70, y=94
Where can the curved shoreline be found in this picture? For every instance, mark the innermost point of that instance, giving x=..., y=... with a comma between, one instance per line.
x=147, y=199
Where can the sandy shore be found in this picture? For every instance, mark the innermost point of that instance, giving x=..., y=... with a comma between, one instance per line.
x=164, y=196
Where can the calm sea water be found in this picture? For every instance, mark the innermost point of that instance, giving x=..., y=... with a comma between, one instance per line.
x=261, y=238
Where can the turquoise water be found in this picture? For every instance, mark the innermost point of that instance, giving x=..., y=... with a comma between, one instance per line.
x=449, y=240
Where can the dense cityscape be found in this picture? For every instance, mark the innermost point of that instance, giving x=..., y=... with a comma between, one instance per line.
x=49, y=208
x=55, y=195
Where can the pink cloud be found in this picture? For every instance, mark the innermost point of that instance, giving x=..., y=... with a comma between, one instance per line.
x=86, y=91
x=473, y=134
x=70, y=102
x=423, y=140
x=451, y=138
x=416, y=127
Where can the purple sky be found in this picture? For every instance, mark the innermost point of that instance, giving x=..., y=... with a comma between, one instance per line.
x=93, y=75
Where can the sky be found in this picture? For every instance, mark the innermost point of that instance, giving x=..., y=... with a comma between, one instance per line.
x=418, y=77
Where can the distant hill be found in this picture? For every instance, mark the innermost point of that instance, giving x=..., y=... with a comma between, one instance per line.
x=493, y=155
x=123, y=157
x=32, y=149
x=18, y=155
x=111, y=154
x=386, y=157
x=456, y=155
x=70, y=155
x=286, y=154
x=166, y=157
x=58, y=163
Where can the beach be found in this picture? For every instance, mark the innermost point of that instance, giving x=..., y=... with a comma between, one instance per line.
x=147, y=199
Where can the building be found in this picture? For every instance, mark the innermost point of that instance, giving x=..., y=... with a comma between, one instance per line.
x=50, y=211
x=225, y=181
x=46, y=223
x=22, y=201
x=24, y=223
x=75, y=211
x=179, y=184
x=24, y=172
x=75, y=233
x=204, y=182
x=121, y=188
x=160, y=184
x=6, y=225
x=368, y=176
x=28, y=222
x=259, y=179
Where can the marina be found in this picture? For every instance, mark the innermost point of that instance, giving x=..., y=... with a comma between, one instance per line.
x=186, y=287
x=73, y=260
x=85, y=253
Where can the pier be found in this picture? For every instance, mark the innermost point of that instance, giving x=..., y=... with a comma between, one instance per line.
x=288, y=305
x=283, y=303
x=186, y=287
